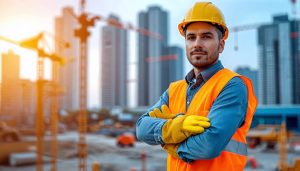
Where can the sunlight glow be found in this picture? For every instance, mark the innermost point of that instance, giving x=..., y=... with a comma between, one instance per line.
x=28, y=61
x=28, y=57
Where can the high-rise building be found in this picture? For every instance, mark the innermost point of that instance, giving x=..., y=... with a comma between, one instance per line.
x=143, y=67
x=114, y=66
x=11, y=85
x=295, y=59
x=69, y=74
x=172, y=66
x=151, y=52
x=279, y=58
x=252, y=75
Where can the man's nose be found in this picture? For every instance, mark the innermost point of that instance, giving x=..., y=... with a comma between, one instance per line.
x=198, y=42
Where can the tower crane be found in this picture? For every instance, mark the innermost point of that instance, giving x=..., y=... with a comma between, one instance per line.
x=282, y=140
x=34, y=44
x=85, y=21
x=83, y=34
x=294, y=8
x=39, y=44
x=237, y=29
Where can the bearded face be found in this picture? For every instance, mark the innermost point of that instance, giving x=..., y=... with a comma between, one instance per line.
x=202, y=45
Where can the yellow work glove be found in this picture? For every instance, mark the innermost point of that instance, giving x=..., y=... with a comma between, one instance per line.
x=183, y=126
x=188, y=125
x=195, y=124
x=171, y=149
x=164, y=113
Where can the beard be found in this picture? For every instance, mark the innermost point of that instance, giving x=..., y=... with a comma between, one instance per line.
x=203, y=60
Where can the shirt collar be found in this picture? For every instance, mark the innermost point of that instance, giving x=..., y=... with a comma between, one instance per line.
x=206, y=74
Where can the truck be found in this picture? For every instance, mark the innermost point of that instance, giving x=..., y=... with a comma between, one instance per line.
x=264, y=133
x=126, y=139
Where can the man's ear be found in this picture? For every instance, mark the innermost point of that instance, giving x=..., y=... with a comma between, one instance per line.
x=221, y=45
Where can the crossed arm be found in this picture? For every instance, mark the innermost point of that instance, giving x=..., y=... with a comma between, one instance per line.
x=226, y=116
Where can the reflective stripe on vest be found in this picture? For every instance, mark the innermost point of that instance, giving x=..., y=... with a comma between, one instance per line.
x=236, y=147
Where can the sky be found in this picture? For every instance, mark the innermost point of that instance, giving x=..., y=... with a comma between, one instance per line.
x=20, y=19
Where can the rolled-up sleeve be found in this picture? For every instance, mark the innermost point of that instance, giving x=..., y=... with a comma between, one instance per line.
x=226, y=115
x=148, y=129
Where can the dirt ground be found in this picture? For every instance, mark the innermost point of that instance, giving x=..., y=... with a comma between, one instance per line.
x=113, y=158
x=103, y=150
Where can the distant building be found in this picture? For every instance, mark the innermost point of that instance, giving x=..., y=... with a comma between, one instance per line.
x=65, y=26
x=279, y=59
x=150, y=49
x=155, y=57
x=114, y=66
x=276, y=114
x=252, y=75
x=11, y=95
x=172, y=66
x=18, y=104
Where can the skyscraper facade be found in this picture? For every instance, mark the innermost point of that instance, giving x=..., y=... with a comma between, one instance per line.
x=279, y=59
x=69, y=73
x=295, y=64
x=114, y=66
x=155, y=59
x=252, y=75
x=11, y=95
x=172, y=66
x=143, y=67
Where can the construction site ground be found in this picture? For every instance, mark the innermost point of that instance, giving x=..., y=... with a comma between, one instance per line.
x=102, y=149
x=113, y=158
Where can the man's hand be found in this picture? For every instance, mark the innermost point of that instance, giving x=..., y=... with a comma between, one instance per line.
x=164, y=113
x=183, y=126
x=179, y=128
x=195, y=124
x=192, y=124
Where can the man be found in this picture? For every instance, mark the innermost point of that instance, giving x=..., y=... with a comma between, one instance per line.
x=202, y=121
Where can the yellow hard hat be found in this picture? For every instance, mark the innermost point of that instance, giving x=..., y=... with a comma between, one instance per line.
x=205, y=12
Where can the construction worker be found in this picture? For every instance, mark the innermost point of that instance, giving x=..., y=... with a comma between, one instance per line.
x=202, y=121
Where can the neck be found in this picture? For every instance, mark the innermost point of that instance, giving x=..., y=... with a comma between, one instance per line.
x=197, y=72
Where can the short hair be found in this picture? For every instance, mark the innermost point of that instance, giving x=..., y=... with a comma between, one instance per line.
x=220, y=30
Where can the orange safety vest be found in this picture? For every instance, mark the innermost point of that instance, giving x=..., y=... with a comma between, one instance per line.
x=234, y=156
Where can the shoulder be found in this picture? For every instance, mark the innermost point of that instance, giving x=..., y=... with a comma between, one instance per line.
x=236, y=81
x=178, y=82
x=236, y=86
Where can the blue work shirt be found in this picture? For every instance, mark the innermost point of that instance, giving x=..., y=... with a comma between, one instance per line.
x=226, y=115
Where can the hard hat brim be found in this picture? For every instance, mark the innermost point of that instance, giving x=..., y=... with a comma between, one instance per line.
x=182, y=25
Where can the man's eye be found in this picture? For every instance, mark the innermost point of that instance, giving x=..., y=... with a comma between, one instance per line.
x=190, y=37
x=206, y=37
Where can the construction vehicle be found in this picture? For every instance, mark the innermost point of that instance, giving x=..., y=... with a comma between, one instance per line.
x=126, y=139
x=8, y=134
x=264, y=133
